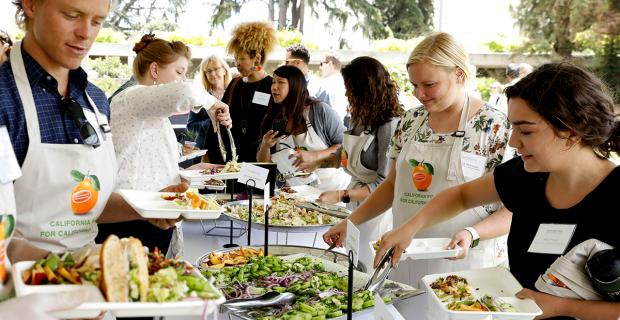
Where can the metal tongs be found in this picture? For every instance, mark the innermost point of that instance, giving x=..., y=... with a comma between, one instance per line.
x=268, y=299
x=328, y=209
x=378, y=277
x=233, y=148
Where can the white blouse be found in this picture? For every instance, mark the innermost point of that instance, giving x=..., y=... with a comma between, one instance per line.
x=144, y=140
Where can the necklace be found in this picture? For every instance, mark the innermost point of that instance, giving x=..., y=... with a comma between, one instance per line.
x=244, y=108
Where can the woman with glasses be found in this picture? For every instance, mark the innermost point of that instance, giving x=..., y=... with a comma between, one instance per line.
x=450, y=139
x=375, y=112
x=215, y=76
x=299, y=132
x=145, y=143
x=248, y=95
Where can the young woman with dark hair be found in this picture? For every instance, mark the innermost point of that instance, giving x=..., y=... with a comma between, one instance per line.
x=308, y=133
x=560, y=190
x=375, y=112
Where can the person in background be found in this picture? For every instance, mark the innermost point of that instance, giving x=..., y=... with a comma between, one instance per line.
x=57, y=122
x=146, y=146
x=560, y=190
x=248, y=95
x=332, y=89
x=375, y=112
x=215, y=76
x=514, y=73
x=451, y=139
x=312, y=132
x=298, y=55
x=5, y=46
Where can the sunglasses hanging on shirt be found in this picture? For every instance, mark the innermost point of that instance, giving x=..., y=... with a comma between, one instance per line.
x=75, y=111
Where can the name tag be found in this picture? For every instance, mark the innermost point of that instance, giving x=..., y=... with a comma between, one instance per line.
x=352, y=240
x=8, y=162
x=552, y=238
x=369, y=140
x=473, y=165
x=261, y=98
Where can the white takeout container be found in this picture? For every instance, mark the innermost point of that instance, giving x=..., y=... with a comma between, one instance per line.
x=427, y=248
x=150, y=205
x=95, y=303
x=496, y=282
x=195, y=176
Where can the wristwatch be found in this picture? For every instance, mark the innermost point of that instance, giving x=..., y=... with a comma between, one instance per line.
x=345, y=197
x=475, y=237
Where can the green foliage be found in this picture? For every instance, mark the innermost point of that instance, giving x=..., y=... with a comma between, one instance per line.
x=393, y=44
x=109, y=35
x=483, y=85
x=188, y=40
x=215, y=41
x=291, y=37
x=406, y=19
x=19, y=35
x=130, y=15
x=401, y=77
x=107, y=84
x=501, y=44
x=111, y=67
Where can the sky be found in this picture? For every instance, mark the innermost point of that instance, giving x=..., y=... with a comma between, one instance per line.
x=470, y=21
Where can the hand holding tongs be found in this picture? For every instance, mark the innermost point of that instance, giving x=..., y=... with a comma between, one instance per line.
x=380, y=274
x=233, y=148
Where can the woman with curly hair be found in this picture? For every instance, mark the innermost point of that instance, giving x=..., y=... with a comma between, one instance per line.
x=299, y=131
x=375, y=111
x=247, y=95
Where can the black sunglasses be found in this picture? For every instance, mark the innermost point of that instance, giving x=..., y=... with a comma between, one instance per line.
x=87, y=131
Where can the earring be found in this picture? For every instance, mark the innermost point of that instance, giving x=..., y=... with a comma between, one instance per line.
x=154, y=82
x=257, y=68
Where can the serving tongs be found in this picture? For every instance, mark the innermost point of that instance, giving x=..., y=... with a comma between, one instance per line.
x=271, y=298
x=328, y=209
x=381, y=273
x=233, y=148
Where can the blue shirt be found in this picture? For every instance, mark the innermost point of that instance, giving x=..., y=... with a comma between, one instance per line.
x=56, y=127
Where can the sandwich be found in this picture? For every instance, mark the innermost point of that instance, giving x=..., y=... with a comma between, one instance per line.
x=124, y=270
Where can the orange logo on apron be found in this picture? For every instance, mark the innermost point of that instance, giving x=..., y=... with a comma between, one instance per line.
x=422, y=174
x=85, y=195
x=7, y=223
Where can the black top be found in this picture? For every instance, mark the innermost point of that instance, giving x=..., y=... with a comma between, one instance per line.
x=523, y=193
x=246, y=114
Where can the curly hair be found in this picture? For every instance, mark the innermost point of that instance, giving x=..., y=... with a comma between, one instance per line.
x=372, y=94
x=571, y=98
x=253, y=38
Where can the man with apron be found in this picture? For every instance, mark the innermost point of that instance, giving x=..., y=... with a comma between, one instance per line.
x=324, y=179
x=57, y=124
x=30, y=306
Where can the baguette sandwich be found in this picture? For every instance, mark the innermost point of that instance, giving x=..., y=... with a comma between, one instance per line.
x=124, y=270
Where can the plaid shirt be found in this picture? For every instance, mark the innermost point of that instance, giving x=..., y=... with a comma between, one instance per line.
x=56, y=127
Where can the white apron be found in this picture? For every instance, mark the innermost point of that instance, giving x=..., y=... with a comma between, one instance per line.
x=447, y=162
x=45, y=193
x=324, y=179
x=10, y=171
x=360, y=176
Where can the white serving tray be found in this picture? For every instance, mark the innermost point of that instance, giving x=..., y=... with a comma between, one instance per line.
x=150, y=205
x=497, y=282
x=96, y=303
x=195, y=154
x=195, y=176
x=306, y=192
x=427, y=248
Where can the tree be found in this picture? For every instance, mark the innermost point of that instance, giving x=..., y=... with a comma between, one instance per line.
x=551, y=25
x=406, y=19
x=146, y=15
x=377, y=19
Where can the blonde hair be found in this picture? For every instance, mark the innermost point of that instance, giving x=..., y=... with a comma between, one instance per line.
x=441, y=50
x=22, y=21
x=203, y=71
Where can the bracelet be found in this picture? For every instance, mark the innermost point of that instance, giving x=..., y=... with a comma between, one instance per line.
x=475, y=237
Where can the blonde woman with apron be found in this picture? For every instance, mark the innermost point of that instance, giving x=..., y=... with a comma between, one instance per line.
x=471, y=142
x=293, y=153
x=375, y=111
x=56, y=211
